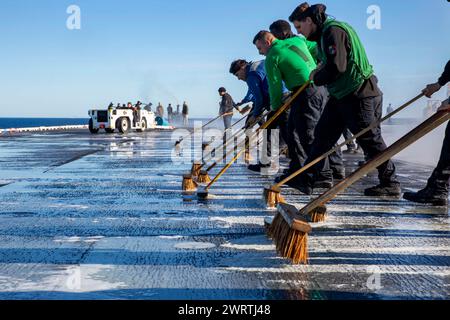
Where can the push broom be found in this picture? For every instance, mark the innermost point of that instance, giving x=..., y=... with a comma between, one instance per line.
x=237, y=134
x=286, y=227
x=196, y=171
x=203, y=194
x=230, y=139
x=243, y=112
x=198, y=165
x=203, y=175
x=272, y=195
x=188, y=183
x=204, y=126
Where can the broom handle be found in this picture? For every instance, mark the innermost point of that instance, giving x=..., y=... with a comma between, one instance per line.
x=429, y=125
x=282, y=109
x=207, y=124
x=232, y=139
x=359, y=134
x=233, y=136
x=286, y=106
x=244, y=146
x=270, y=121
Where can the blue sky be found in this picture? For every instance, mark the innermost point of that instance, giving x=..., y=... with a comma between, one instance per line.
x=171, y=51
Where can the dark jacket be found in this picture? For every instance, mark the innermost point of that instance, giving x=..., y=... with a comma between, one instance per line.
x=338, y=50
x=227, y=104
x=445, y=76
x=185, y=109
x=258, y=88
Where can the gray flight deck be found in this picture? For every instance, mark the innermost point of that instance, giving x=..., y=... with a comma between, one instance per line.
x=103, y=217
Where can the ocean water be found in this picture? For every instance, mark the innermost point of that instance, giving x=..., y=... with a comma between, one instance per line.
x=7, y=123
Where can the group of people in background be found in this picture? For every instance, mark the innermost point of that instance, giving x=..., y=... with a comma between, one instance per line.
x=172, y=115
x=342, y=97
x=136, y=108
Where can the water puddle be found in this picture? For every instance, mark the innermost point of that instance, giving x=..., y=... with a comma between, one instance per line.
x=195, y=245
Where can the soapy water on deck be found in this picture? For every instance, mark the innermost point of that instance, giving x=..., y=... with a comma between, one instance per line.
x=425, y=151
x=152, y=245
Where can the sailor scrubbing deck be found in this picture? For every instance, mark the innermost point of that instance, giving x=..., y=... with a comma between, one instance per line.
x=356, y=100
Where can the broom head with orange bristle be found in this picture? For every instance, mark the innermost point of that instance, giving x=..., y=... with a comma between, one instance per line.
x=319, y=214
x=203, y=177
x=290, y=234
x=189, y=183
x=272, y=197
x=196, y=167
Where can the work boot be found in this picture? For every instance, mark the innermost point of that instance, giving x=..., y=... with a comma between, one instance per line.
x=386, y=189
x=257, y=167
x=325, y=184
x=427, y=196
x=339, y=174
x=302, y=185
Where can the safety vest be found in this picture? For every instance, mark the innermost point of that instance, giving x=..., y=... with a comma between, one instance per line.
x=358, y=66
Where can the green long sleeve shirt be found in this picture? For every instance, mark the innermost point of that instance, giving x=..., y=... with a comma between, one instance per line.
x=288, y=61
x=314, y=50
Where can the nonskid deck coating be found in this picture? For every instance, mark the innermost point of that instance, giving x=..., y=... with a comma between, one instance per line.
x=102, y=217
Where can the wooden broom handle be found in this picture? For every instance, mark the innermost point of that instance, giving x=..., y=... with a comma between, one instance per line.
x=207, y=124
x=286, y=106
x=359, y=134
x=429, y=125
x=264, y=126
x=232, y=138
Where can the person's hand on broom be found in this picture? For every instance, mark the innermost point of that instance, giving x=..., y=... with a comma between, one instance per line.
x=445, y=106
x=245, y=110
x=431, y=89
x=237, y=106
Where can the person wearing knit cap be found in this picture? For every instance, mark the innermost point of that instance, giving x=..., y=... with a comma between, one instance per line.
x=355, y=98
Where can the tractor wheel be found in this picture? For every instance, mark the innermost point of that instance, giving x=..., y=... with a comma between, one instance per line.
x=123, y=124
x=143, y=125
x=91, y=127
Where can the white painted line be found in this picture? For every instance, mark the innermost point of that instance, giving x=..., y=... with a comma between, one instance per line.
x=40, y=129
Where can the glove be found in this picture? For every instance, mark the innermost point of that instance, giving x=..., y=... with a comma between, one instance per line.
x=251, y=120
x=431, y=89
x=245, y=110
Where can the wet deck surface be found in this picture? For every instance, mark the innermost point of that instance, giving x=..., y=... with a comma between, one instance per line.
x=103, y=217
